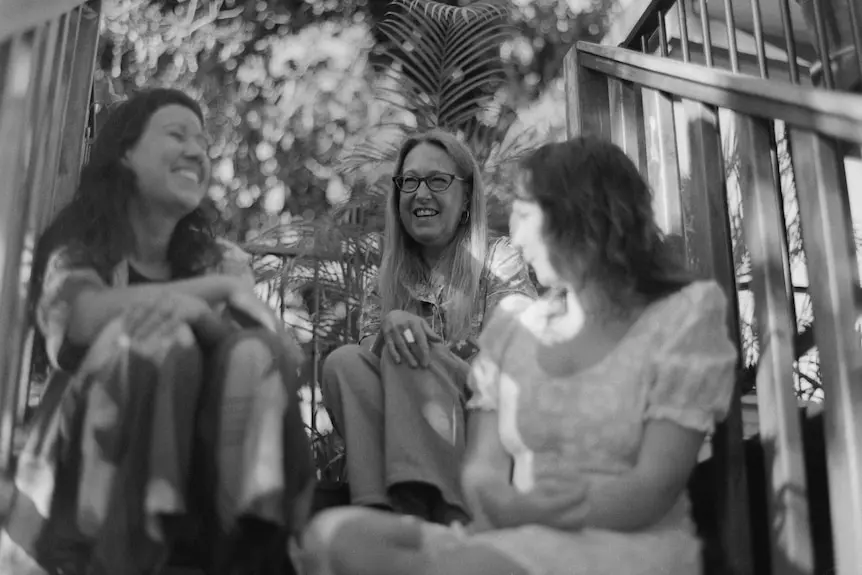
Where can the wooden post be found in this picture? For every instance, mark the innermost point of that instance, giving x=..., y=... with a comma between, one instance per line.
x=586, y=91
x=708, y=246
x=77, y=108
x=26, y=53
x=827, y=232
x=780, y=433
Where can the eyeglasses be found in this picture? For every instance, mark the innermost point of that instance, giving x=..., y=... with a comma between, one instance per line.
x=437, y=183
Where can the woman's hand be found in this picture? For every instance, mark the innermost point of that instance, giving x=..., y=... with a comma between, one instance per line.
x=246, y=303
x=561, y=504
x=408, y=338
x=163, y=313
x=556, y=502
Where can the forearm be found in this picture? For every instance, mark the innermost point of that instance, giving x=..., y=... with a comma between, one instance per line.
x=93, y=309
x=627, y=503
x=488, y=498
x=497, y=504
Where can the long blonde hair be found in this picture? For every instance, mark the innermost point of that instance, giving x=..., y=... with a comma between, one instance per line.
x=402, y=264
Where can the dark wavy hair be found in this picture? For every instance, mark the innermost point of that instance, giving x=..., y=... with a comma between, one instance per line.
x=598, y=212
x=94, y=226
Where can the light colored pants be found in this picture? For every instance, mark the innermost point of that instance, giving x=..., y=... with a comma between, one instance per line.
x=399, y=424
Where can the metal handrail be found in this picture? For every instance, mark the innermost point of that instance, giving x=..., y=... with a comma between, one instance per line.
x=835, y=114
x=17, y=16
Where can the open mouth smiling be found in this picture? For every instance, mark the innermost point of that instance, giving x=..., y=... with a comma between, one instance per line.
x=425, y=212
x=189, y=174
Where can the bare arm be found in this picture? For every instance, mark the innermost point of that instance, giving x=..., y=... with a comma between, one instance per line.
x=93, y=308
x=628, y=502
x=645, y=494
x=692, y=388
x=486, y=469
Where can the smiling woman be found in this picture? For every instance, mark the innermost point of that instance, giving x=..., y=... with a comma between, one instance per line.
x=398, y=397
x=156, y=347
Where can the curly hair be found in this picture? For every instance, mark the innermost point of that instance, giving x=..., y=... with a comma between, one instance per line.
x=598, y=212
x=94, y=226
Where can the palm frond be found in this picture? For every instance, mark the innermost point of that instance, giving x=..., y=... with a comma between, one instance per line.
x=445, y=58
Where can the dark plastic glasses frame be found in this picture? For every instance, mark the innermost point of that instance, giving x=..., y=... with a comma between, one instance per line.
x=401, y=181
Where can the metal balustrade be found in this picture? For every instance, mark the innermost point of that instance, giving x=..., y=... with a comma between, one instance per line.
x=669, y=81
x=47, y=57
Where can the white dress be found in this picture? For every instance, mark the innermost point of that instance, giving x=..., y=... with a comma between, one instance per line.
x=676, y=363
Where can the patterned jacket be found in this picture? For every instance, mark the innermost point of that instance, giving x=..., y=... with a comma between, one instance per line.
x=505, y=273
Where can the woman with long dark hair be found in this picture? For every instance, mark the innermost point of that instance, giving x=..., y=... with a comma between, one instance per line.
x=590, y=404
x=166, y=372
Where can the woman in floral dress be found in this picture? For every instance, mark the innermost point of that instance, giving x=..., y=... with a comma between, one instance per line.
x=590, y=405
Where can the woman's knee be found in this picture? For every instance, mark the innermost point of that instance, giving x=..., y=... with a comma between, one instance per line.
x=245, y=346
x=320, y=542
x=355, y=536
x=178, y=344
x=341, y=363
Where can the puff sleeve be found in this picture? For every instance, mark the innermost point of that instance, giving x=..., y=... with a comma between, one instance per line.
x=64, y=280
x=695, y=364
x=493, y=341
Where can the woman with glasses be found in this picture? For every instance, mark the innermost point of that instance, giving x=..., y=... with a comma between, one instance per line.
x=590, y=405
x=397, y=398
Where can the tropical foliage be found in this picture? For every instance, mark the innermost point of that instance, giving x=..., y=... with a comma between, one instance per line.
x=307, y=100
x=440, y=68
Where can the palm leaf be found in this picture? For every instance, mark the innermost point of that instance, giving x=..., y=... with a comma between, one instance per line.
x=444, y=59
x=442, y=67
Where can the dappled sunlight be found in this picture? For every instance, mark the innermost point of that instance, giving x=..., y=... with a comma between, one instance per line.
x=441, y=420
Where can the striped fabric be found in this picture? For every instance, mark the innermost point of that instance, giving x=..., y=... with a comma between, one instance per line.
x=151, y=441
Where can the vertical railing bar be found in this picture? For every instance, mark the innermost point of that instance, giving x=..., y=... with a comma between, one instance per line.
x=708, y=249
x=707, y=33
x=72, y=43
x=730, y=22
x=75, y=146
x=27, y=50
x=780, y=434
x=776, y=171
x=759, y=44
x=856, y=27
x=587, y=99
x=827, y=229
x=42, y=198
x=683, y=30
x=822, y=41
x=54, y=118
x=39, y=174
x=662, y=160
x=789, y=40
x=662, y=34
x=644, y=48
x=627, y=120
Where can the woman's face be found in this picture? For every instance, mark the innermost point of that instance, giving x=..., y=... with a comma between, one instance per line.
x=170, y=161
x=431, y=217
x=526, y=229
